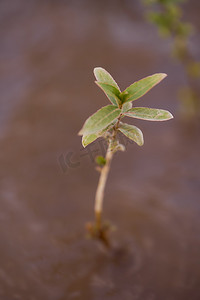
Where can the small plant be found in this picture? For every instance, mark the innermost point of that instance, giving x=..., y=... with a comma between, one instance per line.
x=107, y=122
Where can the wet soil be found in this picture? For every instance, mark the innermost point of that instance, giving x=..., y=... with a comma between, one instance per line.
x=48, y=181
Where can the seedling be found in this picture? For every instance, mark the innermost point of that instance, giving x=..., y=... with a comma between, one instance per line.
x=107, y=122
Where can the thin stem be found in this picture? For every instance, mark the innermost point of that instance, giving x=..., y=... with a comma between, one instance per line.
x=101, y=186
x=103, y=178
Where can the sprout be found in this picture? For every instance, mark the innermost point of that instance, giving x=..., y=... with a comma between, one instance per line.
x=106, y=123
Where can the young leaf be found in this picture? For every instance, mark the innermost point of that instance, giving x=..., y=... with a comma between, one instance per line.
x=141, y=87
x=126, y=106
x=132, y=132
x=111, y=92
x=100, y=120
x=149, y=114
x=104, y=77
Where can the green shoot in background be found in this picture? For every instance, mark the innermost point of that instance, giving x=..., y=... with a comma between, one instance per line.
x=167, y=15
x=107, y=122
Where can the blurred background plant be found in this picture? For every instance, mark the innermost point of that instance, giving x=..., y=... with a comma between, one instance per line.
x=168, y=16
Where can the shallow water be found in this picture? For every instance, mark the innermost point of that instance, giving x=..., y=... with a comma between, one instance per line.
x=48, y=180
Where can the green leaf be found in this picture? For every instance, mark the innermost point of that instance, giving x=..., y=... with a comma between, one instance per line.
x=88, y=139
x=100, y=120
x=150, y=114
x=132, y=132
x=126, y=106
x=141, y=87
x=104, y=77
x=111, y=92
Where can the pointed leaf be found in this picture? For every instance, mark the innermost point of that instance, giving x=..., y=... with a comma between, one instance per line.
x=150, y=114
x=100, y=120
x=111, y=92
x=141, y=87
x=132, y=132
x=88, y=139
x=104, y=77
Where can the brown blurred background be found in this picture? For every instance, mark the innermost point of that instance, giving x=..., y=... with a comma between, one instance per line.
x=48, y=50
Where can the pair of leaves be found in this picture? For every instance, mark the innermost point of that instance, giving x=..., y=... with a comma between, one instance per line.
x=133, y=92
x=132, y=132
x=97, y=124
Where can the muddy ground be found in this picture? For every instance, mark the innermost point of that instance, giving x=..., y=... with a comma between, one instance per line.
x=48, y=181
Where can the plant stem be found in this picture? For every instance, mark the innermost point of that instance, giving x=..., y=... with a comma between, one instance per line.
x=103, y=177
x=101, y=186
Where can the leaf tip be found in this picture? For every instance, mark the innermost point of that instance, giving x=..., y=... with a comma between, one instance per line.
x=170, y=116
x=83, y=143
x=96, y=70
x=162, y=76
x=141, y=144
x=80, y=132
x=140, y=141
